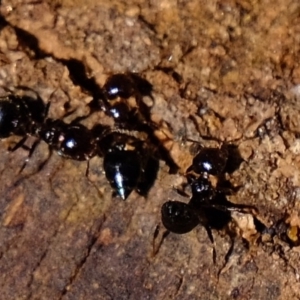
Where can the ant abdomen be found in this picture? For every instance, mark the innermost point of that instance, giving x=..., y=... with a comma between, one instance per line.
x=14, y=117
x=20, y=114
x=179, y=217
x=11, y=118
x=123, y=162
x=123, y=171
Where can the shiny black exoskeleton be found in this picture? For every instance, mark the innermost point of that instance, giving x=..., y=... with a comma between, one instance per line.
x=201, y=189
x=207, y=207
x=119, y=85
x=127, y=163
x=126, y=159
x=179, y=217
x=20, y=114
x=124, y=94
x=126, y=85
x=73, y=141
x=26, y=116
x=118, y=89
x=210, y=161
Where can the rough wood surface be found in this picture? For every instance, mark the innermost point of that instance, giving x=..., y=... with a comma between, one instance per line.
x=62, y=235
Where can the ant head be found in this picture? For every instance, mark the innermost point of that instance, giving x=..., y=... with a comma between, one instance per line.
x=50, y=131
x=9, y=117
x=119, y=85
x=211, y=161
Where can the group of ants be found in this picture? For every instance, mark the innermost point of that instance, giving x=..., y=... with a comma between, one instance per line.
x=131, y=153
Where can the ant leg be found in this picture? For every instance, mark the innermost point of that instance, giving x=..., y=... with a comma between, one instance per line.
x=211, y=238
x=42, y=165
x=148, y=176
x=77, y=119
x=18, y=144
x=181, y=192
x=170, y=71
x=87, y=168
x=47, y=109
x=155, y=248
x=246, y=209
x=192, y=141
x=227, y=264
x=230, y=250
x=68, y=113
x=31, y=150
x=155, y=235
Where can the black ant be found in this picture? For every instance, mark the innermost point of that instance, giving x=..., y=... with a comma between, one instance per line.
x=124, y=151
x=208, y=205
x=210, y=161
x=180, y=217
x=117, y=90
x=125, y=157
x=25, y=116
x=19, y=115
x=73, y=141
x=131, y=115
x=127, y=163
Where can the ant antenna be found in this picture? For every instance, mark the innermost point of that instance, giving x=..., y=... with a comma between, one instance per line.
x=155, y=248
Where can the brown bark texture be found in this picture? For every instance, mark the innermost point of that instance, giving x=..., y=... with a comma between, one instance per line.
x=63, y=235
